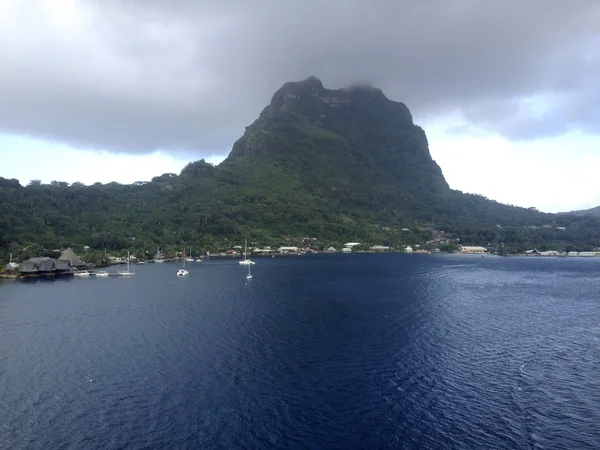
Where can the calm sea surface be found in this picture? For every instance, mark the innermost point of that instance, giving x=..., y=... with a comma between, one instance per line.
x=315, y=352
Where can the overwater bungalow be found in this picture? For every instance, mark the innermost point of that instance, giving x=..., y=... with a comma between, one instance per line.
x=45, y=267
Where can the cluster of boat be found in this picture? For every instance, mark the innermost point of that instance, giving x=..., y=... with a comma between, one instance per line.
x=245, y=262
x=180, y=273
x=102, y=273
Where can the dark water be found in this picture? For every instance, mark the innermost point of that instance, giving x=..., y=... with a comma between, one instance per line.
x=331, y=351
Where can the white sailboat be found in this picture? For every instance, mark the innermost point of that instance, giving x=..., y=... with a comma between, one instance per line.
x=182, y=272
x=159, y=258
x=246, y=261
x=189, y=258
x=129, y=272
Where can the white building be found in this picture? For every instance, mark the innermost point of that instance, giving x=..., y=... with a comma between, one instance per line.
x=12, y=266
x=287, y=249
x=472, y=249
x=381, y=248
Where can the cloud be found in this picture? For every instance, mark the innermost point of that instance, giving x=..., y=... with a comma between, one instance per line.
x=136, y=76
x=543, y=177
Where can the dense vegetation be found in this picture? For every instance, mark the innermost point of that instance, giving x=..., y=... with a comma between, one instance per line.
x=332, y=165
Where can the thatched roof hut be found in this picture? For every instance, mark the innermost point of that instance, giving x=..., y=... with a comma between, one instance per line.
x=45, y=266
x=69, y=255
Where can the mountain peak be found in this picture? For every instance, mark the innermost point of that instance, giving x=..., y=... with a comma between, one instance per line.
x=310, y=84
x=312, y=87
x=311, y=100
x=308, y=88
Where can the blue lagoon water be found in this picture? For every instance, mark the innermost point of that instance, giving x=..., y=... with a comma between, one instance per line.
x=315, y=352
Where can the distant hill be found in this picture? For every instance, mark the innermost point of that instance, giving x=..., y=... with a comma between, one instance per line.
x=585, y=212
x=332, y=165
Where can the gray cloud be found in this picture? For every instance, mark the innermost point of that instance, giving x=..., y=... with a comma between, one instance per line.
x=136, y=76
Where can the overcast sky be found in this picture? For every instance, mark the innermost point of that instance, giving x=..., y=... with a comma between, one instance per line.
x=507, y=91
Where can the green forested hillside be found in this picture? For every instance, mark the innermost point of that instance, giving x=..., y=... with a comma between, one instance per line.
x=586, y=212
x=336, y=165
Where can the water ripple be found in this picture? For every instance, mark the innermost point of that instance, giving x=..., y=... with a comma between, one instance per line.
x=332, y=351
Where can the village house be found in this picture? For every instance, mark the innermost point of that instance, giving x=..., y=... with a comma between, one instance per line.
x=381, y=248
x=349, y=246
x=474, y=249
x=288, y=249
x=307, y=241
x=12, y=266
x=266, y=249
x=551, y=253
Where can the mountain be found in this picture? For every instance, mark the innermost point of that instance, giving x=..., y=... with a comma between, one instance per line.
x=352, y=149
x=585, y=212
x=333, y=165
x=359, y=155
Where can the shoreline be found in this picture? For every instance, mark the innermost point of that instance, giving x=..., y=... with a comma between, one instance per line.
x=92, y=267
x=9, y=276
